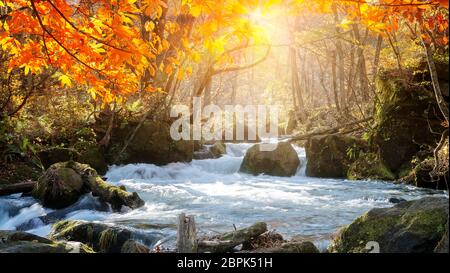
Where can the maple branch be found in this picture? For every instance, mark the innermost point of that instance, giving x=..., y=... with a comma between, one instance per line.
x=83, y=32
x=58, y=42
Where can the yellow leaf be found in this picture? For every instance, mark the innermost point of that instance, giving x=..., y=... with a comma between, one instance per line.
x=65, y=81
x=180, y=74
x=149, y=26
x=92, y=92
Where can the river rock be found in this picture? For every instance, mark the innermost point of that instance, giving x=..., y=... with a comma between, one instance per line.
x=59, y=187
x=215, y=150
x=23, y=242
x=406, y=116
x=152, y=144
x=412, y=226
x=369, y=166
x=331, y=155
x=65, y=182
x=283, y=161
x=218, y=149
x=101, y=237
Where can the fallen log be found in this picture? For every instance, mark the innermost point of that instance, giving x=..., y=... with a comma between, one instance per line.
x=328, y=131
x=226, y=242
x=23, y=187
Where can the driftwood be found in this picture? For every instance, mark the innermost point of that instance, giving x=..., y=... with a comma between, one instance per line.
x=329, y=131
x=186, y=234
x=23, y=187
x=228, y=241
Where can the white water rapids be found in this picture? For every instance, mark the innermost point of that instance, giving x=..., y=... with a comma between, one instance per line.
x=219, y=196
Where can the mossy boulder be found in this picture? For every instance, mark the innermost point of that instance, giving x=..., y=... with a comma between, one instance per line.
x=23, y=242
x=331, y=155
x=412, y=226
x=65, y=182
x=152, y=143
x=406, y=115
x=421, y=175
x=369, y=166
x=101, y=237
x=283, y=161
x=59, y=187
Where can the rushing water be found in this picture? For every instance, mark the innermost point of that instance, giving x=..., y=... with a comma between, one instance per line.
x=219, y=196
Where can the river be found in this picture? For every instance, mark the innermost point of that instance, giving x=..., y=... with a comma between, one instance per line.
x=220, y=197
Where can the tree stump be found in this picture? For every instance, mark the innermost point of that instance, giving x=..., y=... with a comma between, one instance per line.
x=186, y=234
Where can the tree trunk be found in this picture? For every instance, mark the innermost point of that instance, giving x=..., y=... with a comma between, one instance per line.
x=376, y=60
x=333, y=73
x=362, y=72
x=435, y=81
x=340, y=58
x=186, y=234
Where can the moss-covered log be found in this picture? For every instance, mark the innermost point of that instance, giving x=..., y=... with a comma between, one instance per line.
x=227, y=241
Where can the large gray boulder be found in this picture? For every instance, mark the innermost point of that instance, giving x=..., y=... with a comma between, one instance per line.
x=408, y=227
x=283, y=161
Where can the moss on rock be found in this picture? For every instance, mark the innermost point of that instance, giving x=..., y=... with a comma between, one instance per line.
x=368, y=166
x=331, y=155
x=59, y=187
x=152, y=143
x=63, y=183
x=22, y=242
x=404, y=114
x=101, y=237
x=283, y=161
x=412, y=226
